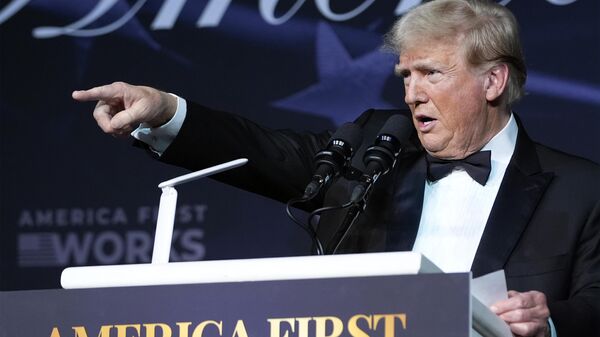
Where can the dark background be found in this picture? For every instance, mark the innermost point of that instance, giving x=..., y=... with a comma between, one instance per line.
x=65, y=186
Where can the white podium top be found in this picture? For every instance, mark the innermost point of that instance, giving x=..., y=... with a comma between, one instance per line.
x=280, y=268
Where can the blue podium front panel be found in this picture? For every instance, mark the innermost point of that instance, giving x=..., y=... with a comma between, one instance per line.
x=388, y=306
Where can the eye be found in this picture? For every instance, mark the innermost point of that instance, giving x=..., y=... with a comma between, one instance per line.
x=402, y=73
x=434, y=75
x=406, y=79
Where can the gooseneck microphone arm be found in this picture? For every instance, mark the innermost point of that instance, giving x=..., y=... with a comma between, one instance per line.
x=379, y=159
x=329, y=162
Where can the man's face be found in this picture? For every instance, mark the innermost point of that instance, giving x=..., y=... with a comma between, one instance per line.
x=447, y=98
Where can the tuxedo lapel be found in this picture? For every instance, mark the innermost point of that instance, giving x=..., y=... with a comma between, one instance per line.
x=521, y=190
x=407, y=203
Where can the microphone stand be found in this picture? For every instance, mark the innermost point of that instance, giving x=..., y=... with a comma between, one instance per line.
x=358, y=204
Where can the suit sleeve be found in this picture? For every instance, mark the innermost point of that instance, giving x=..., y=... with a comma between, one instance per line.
x=580, y=314
x=280, y=162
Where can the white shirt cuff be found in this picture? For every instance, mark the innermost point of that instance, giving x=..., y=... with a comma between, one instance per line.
x=161, y=137
x=552, y=328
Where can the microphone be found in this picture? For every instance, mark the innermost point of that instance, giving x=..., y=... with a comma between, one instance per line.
x=381, y=156
x=379, y=159
x=330, y=161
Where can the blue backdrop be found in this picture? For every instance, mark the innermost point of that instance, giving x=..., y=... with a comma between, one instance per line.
x=70, y=195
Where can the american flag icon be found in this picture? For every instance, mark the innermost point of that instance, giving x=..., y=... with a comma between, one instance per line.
x=37, y=250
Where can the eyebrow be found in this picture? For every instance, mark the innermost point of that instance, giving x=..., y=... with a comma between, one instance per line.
x=421, y=65
x=400, y=71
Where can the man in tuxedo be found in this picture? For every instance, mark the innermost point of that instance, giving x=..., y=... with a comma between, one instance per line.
x=531, y=210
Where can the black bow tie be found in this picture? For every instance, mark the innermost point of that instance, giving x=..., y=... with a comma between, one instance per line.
x=477, y=165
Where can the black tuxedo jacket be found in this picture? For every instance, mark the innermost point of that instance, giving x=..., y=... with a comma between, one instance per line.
x=544, y=227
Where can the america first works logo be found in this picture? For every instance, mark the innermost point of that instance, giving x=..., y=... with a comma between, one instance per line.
x=60, y=237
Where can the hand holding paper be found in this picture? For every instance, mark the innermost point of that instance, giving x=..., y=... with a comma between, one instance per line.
x=526, y=313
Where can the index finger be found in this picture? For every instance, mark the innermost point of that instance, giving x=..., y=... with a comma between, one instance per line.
x=104, y=92
x=516, y=301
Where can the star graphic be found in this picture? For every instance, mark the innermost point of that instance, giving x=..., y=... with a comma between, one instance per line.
x=346, y=86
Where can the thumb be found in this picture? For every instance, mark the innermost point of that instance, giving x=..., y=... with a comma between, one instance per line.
x=513, y=293
x=123, y=119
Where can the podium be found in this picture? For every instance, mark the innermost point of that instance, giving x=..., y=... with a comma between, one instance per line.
x=358, y=295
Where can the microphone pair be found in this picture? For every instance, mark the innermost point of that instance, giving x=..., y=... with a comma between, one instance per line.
x=379, y=158
x=335, y=160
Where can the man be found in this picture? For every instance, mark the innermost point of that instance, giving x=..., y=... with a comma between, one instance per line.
x=535, y=213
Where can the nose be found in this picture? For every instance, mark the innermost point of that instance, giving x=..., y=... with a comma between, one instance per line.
x=414, y=94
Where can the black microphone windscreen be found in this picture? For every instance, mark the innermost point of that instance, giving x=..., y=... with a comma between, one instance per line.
x=398, y=126
x=350, y=133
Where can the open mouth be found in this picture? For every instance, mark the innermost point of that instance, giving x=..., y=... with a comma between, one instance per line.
x=424, y=120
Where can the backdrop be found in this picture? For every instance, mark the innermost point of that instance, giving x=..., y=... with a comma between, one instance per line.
x=70, y=195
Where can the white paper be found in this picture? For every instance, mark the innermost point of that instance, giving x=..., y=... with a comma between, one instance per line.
x=487, y=290
x=490, y=288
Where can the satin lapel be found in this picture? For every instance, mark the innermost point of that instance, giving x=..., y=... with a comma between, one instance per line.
x=407, y=203
x=522, y=188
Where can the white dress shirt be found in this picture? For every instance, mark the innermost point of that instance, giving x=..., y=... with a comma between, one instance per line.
x=456, y=208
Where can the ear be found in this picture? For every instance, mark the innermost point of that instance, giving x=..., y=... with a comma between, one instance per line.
x=496, y=81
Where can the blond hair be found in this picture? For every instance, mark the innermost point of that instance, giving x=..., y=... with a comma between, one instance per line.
x=487, y=31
